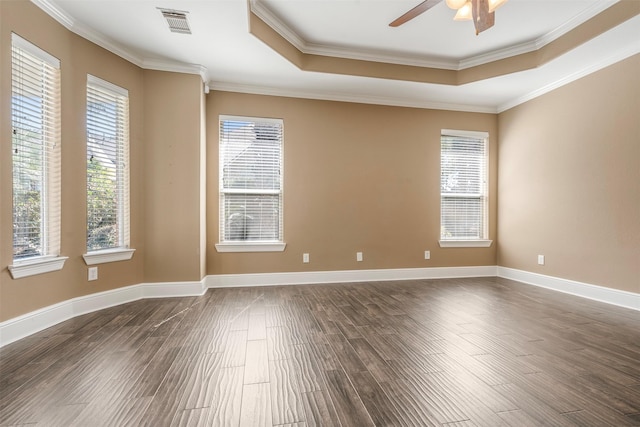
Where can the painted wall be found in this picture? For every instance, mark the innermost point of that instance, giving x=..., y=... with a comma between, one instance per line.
x=172, y=185
x=569, y=183
x=356, y=178
x=78, y=57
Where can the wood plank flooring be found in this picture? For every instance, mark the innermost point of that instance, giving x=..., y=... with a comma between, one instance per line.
x=452, y=353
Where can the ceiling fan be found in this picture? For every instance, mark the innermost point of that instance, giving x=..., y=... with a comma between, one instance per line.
x=480, y=11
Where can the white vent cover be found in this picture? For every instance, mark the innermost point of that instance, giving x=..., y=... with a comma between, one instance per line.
x=177, y=20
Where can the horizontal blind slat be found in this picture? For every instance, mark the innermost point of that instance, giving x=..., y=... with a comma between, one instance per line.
x=35, y=109
x=250, y=179
x=107, y=166
x=463, y=187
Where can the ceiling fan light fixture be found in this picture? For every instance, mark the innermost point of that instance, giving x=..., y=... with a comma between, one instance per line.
x=495, y=4
x=464, y=13
x=456, y=4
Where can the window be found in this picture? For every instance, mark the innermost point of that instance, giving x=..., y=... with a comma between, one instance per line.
x=250, y=184
x=107, y=171
x=35, y=121
x=463, y=188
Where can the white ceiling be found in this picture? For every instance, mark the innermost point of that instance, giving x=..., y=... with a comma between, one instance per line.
x=229, y=57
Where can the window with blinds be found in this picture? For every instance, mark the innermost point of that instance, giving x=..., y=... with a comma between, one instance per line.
x=35, y=120
x=250, y=179
x=463, y=185
x=107, y=165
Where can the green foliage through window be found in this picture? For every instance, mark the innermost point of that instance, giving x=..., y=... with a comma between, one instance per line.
x=107, y=166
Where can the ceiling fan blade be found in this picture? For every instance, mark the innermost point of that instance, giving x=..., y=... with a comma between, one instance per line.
x=482, y=18
x=419, y=9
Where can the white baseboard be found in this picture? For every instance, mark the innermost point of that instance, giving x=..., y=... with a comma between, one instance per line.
x=346, y=276
x=30, y=323
x=598, y=293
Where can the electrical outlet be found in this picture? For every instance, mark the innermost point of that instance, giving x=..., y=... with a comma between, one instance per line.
x=359, y=256
x=93, y=273
x=540, y=259
x=305, y=258
x=427, y=254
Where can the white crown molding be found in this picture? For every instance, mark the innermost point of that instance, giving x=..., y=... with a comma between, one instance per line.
x=537, y=44
x=30, y=323
x=496, y=55
x=594, y=9
x=106, y=43
x=346, y=276
x=618, y=56
x=99, y=39
x=380, y=56
x=57, y=14
x=272, y=20
x=348, y=97
x=176, y=67
x=87, y=33
x=585, y=290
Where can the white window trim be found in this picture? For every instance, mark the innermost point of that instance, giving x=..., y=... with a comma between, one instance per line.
x=122, y=253
x=468, y=133
x=96, y=81
x=34, y=50
x=250, y=247
x=470, y=243
x=108, y=255
x=50, y=260
x=479, y=243
x=244, y=245
x=33, y=266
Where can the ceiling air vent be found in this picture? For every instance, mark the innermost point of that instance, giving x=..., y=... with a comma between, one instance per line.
x=177, y=20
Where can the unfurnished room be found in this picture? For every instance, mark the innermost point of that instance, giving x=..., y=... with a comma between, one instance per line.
x=320, y=213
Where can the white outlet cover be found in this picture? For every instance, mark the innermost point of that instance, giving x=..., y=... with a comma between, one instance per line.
x=305, y=258
x=93, y=273
x=359, y=256
x=427, y=254
x=540, y=259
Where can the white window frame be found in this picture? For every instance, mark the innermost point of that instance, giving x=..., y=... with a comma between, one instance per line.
x=109, y=92
x=483, y=240
x=250, y=245
x=34, y=69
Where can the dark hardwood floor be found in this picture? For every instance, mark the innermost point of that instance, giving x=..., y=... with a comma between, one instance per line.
x=454, y=353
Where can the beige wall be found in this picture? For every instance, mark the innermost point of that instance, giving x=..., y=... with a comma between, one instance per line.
x=357, y=177
x=569, y=180
x=172, y=124
x=78, y=58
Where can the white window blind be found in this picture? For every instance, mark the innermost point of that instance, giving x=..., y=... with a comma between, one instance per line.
x=250, y=179
x=463, y=186
x=107, y=165
x=35, y=120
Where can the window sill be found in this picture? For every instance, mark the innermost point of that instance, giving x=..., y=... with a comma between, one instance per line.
x=465, y=243
x=250, y=247
x=108, y=255
x=20, y=269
